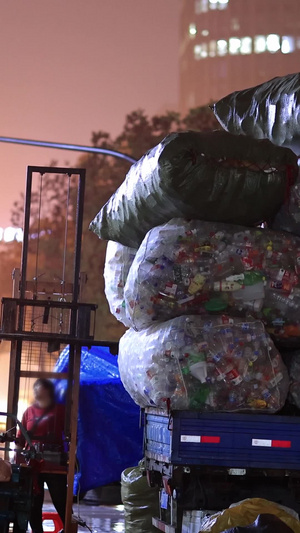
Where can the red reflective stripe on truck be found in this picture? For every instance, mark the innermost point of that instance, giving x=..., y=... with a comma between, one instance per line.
x=281, y=444
x=211, y=440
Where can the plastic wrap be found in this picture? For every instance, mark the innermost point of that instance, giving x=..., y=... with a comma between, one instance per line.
x=103, y=403
x=294, y=372
x=209, y=364
x=258, y=514
x=268, y=111
x=117, y=264
x=288, y=217
x=140, y=501
x=208, y=176
x=193, y=267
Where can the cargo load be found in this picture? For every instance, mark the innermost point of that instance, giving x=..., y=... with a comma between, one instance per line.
x=193, y=267
x=212, y=176
x=118, y=261
x=204, y=363
x=267, y=111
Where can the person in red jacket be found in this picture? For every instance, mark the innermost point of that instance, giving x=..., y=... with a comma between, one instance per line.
x=44, y=421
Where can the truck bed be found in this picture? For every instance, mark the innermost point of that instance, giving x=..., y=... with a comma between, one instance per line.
x=223, y=439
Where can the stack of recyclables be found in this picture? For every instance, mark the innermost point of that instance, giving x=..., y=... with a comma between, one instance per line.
x=193, y=267
x=118, y=261
x=204, y=363
x=269, y=111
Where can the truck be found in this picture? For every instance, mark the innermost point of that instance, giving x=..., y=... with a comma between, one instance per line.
x=206, y=461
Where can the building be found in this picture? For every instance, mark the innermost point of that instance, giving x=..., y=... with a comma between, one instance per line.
x=228, y=45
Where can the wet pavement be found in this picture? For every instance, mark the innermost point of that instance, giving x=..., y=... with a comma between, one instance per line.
x=99, y=519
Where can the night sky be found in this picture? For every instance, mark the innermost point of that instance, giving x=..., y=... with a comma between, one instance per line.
x=69, y=67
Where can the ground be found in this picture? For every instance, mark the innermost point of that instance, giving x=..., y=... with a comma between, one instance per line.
x=99, y=518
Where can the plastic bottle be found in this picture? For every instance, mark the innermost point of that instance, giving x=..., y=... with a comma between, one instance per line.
x=250, y=292
x=226, y=286
x=225, y=370
x=283, y=275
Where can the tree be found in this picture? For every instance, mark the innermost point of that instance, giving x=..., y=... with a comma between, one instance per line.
x=104, y=175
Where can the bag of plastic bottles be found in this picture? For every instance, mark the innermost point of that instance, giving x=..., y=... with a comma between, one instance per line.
x=193, y=267
x=140, y=501
x=207, y=176
x=268, y=111
x=204, y=363
x=118, y=261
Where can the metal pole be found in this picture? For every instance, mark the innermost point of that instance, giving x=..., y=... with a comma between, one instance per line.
x=78, y=238
x=69, y=525
x=70, y=147
x=26, y=236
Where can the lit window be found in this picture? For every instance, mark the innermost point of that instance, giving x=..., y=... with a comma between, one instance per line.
x=234, y=45
x=212, y=48
x=213, y=4
x=223, y=4
x=287, y=44
x=192, y=30
x=259, y=44
x=201, y=6
x=273, y=42
x=197, y=51
x=204, y=52
x=246, y=45
x=200, y=51
x=198, y=7
x=221, y=47
x=235, y=25
x=205, y=33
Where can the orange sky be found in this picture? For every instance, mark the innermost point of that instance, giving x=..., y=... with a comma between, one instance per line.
x=72, y=66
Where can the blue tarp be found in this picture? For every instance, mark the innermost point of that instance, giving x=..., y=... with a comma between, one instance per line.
x=109, y=438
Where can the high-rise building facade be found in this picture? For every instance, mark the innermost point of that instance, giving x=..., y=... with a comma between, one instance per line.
x=228, y=45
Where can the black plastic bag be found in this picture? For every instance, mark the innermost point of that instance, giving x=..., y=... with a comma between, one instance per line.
x=211, y=176
x=268, y=111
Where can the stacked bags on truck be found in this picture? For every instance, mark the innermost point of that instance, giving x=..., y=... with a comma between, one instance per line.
x=269, y=111
x=202, y=286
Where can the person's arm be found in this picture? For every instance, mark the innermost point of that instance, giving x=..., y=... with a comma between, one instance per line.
x=21, y=439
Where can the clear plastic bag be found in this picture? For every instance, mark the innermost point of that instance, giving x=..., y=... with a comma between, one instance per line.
x=193, y=267
x=118, y=261
x=294, y=372
x=204, y=363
